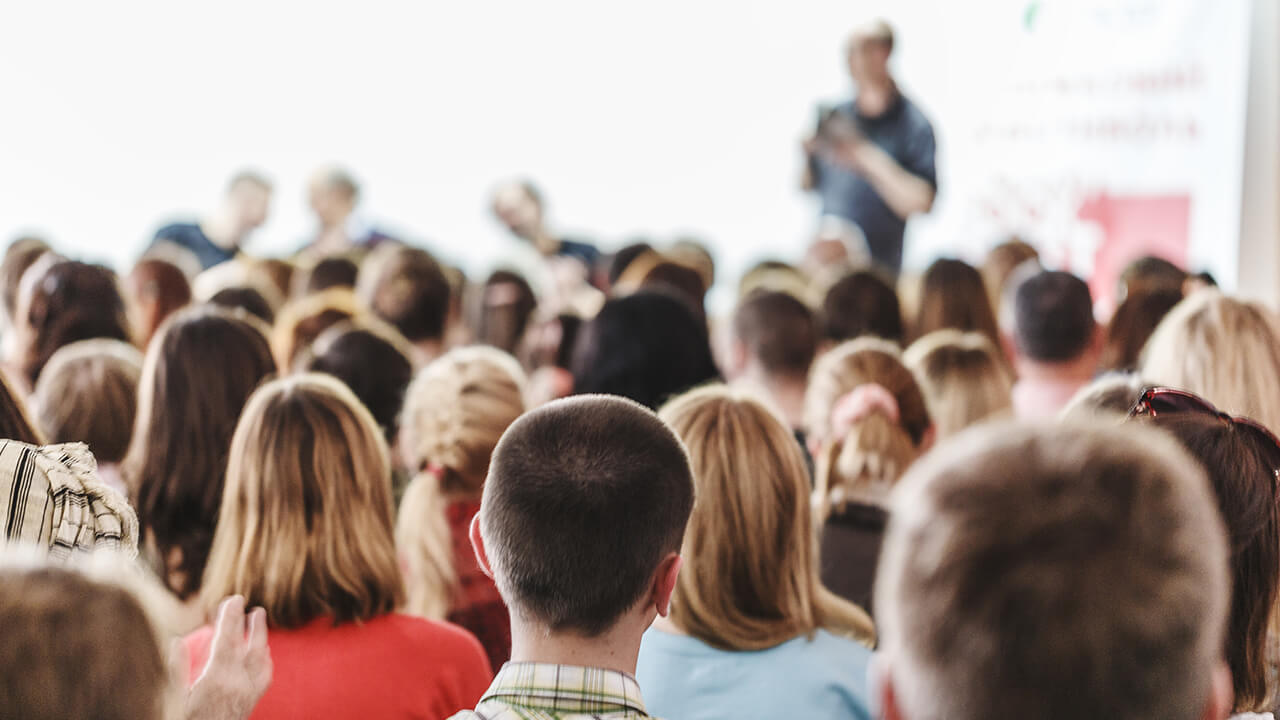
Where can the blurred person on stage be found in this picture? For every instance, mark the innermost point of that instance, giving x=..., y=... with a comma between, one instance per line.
x=220, y=236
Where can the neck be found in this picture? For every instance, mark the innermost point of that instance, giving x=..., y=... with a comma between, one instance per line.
x=875, y=96
x=616, y=649
x=786, y=394
x=1080, y=369
x=424, y=351
x=222, y=232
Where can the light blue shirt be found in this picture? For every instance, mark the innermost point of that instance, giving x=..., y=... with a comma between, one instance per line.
x=686, y=679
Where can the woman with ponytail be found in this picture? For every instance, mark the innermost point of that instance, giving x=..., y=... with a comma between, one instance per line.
x=866, y=422
x=455, y=411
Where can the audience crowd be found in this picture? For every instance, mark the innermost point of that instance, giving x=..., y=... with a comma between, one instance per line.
x=355, y=482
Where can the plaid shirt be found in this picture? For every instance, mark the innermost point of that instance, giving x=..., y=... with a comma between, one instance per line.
x=539, y=691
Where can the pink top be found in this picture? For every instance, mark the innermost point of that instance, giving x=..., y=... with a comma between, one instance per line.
x=393, y=666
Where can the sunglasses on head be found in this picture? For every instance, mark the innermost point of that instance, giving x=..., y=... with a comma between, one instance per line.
x=1157, y=401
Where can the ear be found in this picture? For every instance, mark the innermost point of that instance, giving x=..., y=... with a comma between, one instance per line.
x=664, y=583
x=1218, y=706
x=477, y=544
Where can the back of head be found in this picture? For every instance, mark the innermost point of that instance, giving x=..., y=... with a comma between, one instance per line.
x=778, y=331
x=196, y=378
x=859, y=304
x=76, y=649
x=1054, y=573
x=623, y=258
x=1054, y=317
x=334, y=271
x=20, y=255
x=646, y=347
x=1109, y=398
x=246, y=299
x=1132, y=325
x=621, y=488
x=71, y=301
x=752, y=580
x=1000, y=263
x=370, y=359
x=506, y=306
x=159, y=289
x=406, y=287
x=1241, y=464
x=863, y=456
x=89, y=393
x=952, y=296
x=305, y=528
x=305, y=319
x=1224, y=350
x=1150, y=273
x=964, y=379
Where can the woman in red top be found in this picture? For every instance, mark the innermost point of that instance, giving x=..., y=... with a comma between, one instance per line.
x=455, y=411
x=305, y=531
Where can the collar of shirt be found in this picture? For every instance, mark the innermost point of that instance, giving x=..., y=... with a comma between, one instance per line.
x=568, y=689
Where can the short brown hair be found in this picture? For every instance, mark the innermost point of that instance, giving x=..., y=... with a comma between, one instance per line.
x=70, y=301
x=308, y=488
x=89, y=393
x=620, y=484
x=1053, y=573
x=76, y=649
x=406, y=287
x=779, y=331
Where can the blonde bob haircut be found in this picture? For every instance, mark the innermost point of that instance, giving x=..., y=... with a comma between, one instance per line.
x=866, y=461
x=1222, y=349
x=305, y=528
x=751, y=577
x=964, y=379
x=455, y=411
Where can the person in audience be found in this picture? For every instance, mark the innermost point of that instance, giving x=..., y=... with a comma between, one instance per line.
x=68, y=301
x=372, y=360
x=333, y=195
x=280, y=272
x=999, y=264
x=1109, y=398
x=1222, y=349
x=454, y=414
x=620, y=260
x=867, y=422
x=505, y=310
x=693, y=252
x=752, y=632
x=305, y=532
x=156, y=289
x=862, y=303
x=219, y=237
x=775, y=338
x=1056, y=343
x=88, y=393
x=655, y=271
x=82, y=642
x=548, y=351
x=15, y=421
x=236, y=282
x=52, y=498
x=21, y=254
x=300, y=322
x=953, y=296
x=518, y=205
x=778, y=276
x=1132, y=325
x=406, y=287
x=964, y=379
x=621, y=487
x=196, y=378
x=647, y=347
x=333, y=271
x=1054, y=573
x=1150, y=273
x=1241, y=459
x=247, y=299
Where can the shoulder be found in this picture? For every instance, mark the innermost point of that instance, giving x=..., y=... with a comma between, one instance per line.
x=826, y=646
x=178, y=230
x=441, y=638
x=913, y=118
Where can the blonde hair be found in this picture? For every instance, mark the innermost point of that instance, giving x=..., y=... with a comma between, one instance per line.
x=302, y=321
x=752, y=578
x=1222, y=349
x=964, y=379
x=89, y=393
x=305, y=527
x=455, y=411
x=876, y=450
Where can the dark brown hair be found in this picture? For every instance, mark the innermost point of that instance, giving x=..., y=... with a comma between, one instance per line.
x=159, y=289
x=779, y=331
x=1242, y=466
x=18, y=257
x=621, y=488
x=953, y=297
x=15, y=422
x=1132, y=325
x=76, y=649
x=71, y=301
x=406, y=287
x=196, y=378
x=506, y=304
x=373, y=361
x=862, y=303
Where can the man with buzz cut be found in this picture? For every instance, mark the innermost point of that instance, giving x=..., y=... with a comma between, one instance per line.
x=1054, y=573
x=580, y=525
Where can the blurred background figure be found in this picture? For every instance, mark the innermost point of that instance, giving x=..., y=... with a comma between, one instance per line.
x=334, y=195
x=567, y=264
x=1056, y=343
x=157, y=289
x=872, y=159
x=220, y=236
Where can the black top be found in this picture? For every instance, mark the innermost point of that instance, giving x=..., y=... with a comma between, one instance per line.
x=850, y=551
x=191, y=237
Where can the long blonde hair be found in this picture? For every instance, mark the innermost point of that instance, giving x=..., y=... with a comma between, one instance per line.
x=455, y=412
x=1222, y=349
x=305, y=528
x=964, y=379
x=866, y=460
x=752, y=579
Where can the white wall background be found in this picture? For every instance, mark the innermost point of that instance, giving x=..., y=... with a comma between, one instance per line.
x=639, y=119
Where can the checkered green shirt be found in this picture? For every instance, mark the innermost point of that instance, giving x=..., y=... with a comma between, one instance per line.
x=539, y=691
